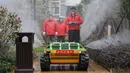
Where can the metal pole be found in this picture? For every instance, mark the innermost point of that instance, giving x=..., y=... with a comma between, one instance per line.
x=109, y=30
x=34, y=9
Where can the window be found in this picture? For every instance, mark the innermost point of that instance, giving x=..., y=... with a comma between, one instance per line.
x=55, y=7
x=55, y=10
x=55, y=0
x=62, y=1
x=63, y=10
x=55, y=4
x=58, y=8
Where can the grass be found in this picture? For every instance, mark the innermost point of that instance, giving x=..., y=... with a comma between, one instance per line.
x=39, y=49
x=12, y=49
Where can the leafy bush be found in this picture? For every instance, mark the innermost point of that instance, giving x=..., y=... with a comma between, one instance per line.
x=125, y=9
x=9, y=24
x=6, y=63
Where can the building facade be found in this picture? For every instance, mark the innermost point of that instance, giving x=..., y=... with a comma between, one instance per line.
x=58, y=8
x=62, y=7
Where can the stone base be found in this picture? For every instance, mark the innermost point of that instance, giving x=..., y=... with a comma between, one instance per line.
x=24, y=70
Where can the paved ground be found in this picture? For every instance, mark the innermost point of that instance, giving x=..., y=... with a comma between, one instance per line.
x=93, y=68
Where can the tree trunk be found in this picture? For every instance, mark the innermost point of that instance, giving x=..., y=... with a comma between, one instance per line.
x=102, y=28
x=117, y=30
x=114, y=25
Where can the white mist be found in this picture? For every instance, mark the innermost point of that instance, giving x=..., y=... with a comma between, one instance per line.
x=96, y=12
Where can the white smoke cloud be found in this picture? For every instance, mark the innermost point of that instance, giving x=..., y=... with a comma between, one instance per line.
x=116, y=40
x=96, y=12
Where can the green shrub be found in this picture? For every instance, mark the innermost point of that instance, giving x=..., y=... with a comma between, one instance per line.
x=9, y=24
x=6, y=63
